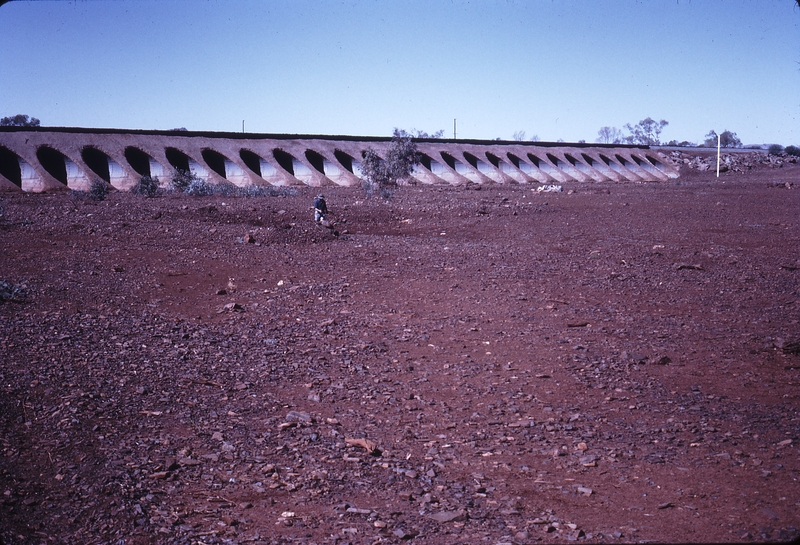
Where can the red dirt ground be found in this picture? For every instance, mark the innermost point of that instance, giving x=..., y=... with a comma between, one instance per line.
x=613, y=363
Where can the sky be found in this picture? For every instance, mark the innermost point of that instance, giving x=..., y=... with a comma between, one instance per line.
x=558, y=70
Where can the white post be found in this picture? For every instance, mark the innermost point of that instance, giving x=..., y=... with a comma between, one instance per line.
x=719, y=140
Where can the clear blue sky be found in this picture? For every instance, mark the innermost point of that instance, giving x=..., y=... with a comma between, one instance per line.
x=555, y=69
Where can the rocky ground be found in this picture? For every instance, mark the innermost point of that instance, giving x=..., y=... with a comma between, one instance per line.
x=612, y=363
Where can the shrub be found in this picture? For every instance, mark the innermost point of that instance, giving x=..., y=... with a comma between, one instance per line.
x=199, y=188
x=12, y=292
x=186, y=182
x=97, y=191
x=792, y=150
x=775, y=149
x=266, y=191
x=147, y=186
x=226, y=189
x=181, y=180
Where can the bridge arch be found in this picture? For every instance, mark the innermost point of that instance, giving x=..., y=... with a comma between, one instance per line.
x=53, y=162
x=10, y=167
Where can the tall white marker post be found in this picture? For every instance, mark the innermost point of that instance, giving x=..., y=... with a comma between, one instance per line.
x=719, y=140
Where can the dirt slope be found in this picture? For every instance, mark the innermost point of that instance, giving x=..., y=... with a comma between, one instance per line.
x=613, y=363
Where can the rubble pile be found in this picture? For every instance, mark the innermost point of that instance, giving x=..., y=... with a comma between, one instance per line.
x=734, y=162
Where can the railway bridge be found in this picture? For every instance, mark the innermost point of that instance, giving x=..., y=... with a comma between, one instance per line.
x=38, y=159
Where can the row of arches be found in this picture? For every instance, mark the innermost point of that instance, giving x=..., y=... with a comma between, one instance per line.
x=75, y=160
x=543, y=166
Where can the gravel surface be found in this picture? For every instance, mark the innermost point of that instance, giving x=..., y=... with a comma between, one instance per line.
x=612, y=363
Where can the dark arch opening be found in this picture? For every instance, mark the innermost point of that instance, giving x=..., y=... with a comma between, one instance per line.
x=317, y=161
x=588, y=159
x=471, y=159
x=425, y=160
x=494, y=159
x=138, y=160
x=344, y=159
x=178, y=159
x=645, y=165
x=9, y=166
x=97, y=161
x=535, y=160
x=578, y=165
x=449, y=159
x=215, y=160
x=622, y=160
x=285, y=160
x=514, y=159
x=656, y=162
x=252, y=160
x=553, y=159
x=612, y=164
x=53, y=161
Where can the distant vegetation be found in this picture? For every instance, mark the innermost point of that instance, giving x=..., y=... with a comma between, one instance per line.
x=19, y=120
x=775, y=149
x=727, y=139
x=646, y=133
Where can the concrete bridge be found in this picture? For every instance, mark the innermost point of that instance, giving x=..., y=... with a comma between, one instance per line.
x=38, y=159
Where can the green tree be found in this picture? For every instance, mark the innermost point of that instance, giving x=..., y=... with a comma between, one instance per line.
x=609, y=135
x=383, y=175
x=422, y=134
x=19, y=120
x=646, y=132
x=775, y=149
x=727, y=139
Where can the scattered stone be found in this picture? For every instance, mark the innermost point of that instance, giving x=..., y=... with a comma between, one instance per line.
x=231, y=307
x=449, y=516
x=370, y=446
x=299, y=417
x=404, y=534
x=357, y=511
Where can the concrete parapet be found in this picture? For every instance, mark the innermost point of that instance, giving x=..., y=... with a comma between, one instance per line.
x=40, y=159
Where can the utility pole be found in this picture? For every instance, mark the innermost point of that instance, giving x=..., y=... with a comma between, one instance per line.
x=454, y=129
x=242, y=125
